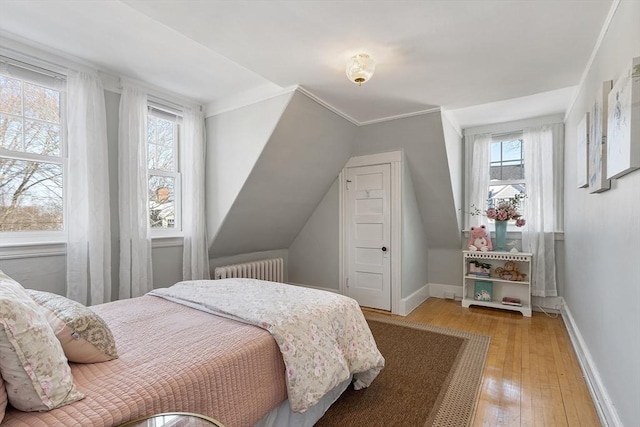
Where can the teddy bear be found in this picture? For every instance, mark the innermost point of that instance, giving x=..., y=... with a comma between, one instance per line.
x=479, y=240
x=510, y=272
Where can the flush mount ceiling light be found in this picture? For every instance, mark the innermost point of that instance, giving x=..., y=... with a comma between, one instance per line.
x=360, y=68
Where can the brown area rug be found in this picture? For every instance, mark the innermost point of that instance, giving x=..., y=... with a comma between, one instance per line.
x=432, y=377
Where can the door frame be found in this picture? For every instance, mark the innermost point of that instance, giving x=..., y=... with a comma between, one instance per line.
x=395, y=159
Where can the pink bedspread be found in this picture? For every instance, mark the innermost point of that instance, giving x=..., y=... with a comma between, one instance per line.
x=172, y=358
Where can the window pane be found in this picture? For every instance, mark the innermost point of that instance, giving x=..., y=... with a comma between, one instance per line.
x=499, y=193
x=41, y=103
x=161, y=202
x=507, y=161
x=151, y=139
x=161, y=154
x=30, y=195
x=11, y=133
x=42, y=138
x=512, y=150
x=10, y=95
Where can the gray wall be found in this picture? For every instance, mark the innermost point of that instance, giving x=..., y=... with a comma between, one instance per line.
x=313, y=255
x=235, y=140
x=602, y=253
x=422, y=140
x=306, y=151
x=415, y=250
x=49, y=273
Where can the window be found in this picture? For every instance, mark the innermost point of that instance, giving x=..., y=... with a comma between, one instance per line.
x=506, y=170
x=164, y=179
x=32, y=148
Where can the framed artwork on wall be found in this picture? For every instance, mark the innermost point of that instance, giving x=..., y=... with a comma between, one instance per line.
x=598, y=181
x=623, y=141
x=582, y=148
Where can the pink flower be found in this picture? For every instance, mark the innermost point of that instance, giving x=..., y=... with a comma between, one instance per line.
x=491, y=213
x=502, y=216
x=520, y=222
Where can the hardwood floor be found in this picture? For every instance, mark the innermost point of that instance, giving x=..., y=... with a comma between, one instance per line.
x=531, y=376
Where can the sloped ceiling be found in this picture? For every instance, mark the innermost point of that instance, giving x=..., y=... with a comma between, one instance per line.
x=451, y=54
x=302, y=158
x=304, y=155
x=422, y=140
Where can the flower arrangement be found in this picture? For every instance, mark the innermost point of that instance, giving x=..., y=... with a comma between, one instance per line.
x=506, y=210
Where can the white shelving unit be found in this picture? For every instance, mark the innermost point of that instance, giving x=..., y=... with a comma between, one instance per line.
x=501, y=288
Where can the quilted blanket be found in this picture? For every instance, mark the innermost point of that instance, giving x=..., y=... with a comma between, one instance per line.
x=324, y=337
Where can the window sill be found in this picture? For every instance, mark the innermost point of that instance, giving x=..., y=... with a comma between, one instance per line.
x=32, y=250
x=167, y=241
x=517, y=234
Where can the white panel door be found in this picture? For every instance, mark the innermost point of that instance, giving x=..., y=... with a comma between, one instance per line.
x=368, y=222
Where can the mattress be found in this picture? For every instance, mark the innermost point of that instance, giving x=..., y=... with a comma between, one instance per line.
x=172, y=359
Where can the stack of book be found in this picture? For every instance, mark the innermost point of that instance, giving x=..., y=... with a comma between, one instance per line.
x=511, y=301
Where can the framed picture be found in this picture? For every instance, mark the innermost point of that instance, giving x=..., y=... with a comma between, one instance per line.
x=582, y=148
x=623, y=140
x=483, y=290
x=598, y=181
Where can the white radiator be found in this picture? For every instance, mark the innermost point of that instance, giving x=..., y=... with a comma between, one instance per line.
x=264, y=269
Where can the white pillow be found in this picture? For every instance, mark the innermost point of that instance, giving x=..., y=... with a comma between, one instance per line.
x=36, y=374
x=84, y=336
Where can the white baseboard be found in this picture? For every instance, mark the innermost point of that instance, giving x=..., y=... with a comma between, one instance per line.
x=437, y=290
x=410, y=303
x=605, y=408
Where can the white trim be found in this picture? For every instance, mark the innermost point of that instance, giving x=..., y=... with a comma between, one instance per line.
x=33, y=250
x=374, y=159
x=437, y=290
x=604, y=406
x=394, y=158
x=410, y=303
x=166, y=241
x=327, y=105
x=396, y=231
x=400, y=116
x=212, y=109
x=594, y=52
x=515, y=126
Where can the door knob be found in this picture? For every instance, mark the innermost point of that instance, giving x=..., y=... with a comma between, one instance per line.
x=384, y=249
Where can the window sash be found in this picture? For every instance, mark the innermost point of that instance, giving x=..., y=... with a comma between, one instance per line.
x=54, y=81
x=157, y=110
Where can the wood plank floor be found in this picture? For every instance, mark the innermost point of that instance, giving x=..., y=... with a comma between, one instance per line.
x=531, y=376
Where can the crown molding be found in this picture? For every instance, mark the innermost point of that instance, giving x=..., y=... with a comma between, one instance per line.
x=594, y=52
x=213, y=108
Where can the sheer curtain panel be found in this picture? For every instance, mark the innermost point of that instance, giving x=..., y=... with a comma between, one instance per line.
x=541, y=146
x=87, y=191
x=135, y=236
x=478, y=153
x=195, y=258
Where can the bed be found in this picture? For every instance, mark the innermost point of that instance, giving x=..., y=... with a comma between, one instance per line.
x=176, y=356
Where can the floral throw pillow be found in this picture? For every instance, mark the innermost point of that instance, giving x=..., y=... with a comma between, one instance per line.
x=3, y=398
x=84, y=336
x=36, y=374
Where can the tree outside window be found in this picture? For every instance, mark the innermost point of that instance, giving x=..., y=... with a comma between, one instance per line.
x=31, y=163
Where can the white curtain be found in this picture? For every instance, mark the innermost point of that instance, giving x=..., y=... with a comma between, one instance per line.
x=195, y=258
x=478, y=153
x=135, y=236
x=87, y=191
x=541, y=145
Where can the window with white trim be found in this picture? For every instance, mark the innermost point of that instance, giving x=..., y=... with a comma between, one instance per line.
x=163, y=172
x=506, y=170
x=32, y=153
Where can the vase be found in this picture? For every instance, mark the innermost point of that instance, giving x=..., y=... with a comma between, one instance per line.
x=501, y=236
